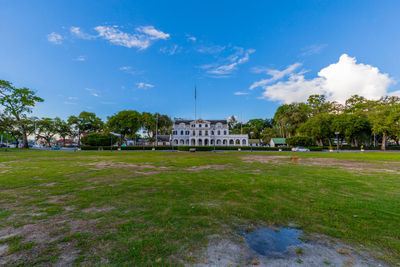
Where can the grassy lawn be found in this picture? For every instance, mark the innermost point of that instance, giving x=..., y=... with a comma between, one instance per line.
x=157, y=208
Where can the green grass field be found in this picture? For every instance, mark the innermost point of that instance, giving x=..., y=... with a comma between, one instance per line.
x=158, y=208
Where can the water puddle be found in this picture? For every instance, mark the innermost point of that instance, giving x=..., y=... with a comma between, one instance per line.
x=272, y=243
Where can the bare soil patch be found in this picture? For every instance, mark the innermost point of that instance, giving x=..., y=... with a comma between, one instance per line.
x=233, y=251
x=208, y=167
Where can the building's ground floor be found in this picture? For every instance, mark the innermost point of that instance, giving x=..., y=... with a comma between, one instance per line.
x=239, y=140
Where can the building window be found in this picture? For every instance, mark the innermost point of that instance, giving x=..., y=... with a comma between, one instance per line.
x=224, y=132
x=194, y=133
x=206, y=125
x=192, y=125
x=181, y=132
x=206, y=133
x=199, y=133
x=212, y=132
x=200, y=125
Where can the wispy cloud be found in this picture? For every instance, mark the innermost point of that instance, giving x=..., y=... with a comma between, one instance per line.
x=240, y=93
x=210, y=49
x=144, y=85
x=72, y=98
x=227, y=65
x=130, y=70
x=77, y=32
x=69, y=103
x=93, y=92
x=55, y=38
x=175, y=49
x=81, y=58
x=275, y=74
x=140, y=39
x=191, y=38
x=312, y=49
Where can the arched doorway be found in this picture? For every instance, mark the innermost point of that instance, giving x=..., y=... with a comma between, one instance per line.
x=231, y=142
x=218, y=141
x=193, y=142
x=182, y=142
x=206, y=142
x=244, y=142
x=224, y=142
x=200, y=142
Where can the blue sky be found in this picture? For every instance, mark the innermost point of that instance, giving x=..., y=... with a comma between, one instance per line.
x=245, y=57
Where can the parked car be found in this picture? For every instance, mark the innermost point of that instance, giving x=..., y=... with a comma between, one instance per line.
x=300, y=149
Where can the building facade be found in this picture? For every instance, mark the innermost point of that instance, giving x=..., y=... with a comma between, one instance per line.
x=205, y=133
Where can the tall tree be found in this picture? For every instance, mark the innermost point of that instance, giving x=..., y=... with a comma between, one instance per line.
x=85, y=122
x=63, y=129
x=46, y=129
x=18, y=102
x=319, y=127
x=126, y=123
x=385, y=118
x=149, y=124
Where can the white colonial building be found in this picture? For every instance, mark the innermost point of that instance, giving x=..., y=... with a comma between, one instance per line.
x=205, y=133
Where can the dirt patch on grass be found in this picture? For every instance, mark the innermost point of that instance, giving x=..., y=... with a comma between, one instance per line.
x=233, y=251
x=263, y=158
x=100, y=165
x=97, y=209
x=353, y=165
x=208, y=167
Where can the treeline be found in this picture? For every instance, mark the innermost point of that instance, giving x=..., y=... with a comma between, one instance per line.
x=358, y=122
x=17, y=104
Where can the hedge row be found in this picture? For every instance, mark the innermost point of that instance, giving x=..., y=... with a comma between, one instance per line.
x=126, y=147
x=198, y=148
x=359, y=148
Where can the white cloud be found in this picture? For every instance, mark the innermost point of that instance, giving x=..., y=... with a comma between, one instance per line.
x=93, y=92
x=240, y=93
x=338, y=81
x=80, y=58
x=129, y=70
x=76, y=31
x=171, y=50
x=213, y=49
x=144, y=85
x=141, y=39
x=229, y=64
x=191, y=38
x=312, y=49
x=276, y=74
x=55, y=38
x=153, y=33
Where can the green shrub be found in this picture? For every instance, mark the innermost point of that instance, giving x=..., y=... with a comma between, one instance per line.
x=99, y=139
x=300, y=141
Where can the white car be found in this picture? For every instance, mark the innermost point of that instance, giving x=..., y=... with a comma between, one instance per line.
x=300, y=149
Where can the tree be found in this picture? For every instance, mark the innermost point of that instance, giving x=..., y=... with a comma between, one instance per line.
x=385, y=118
x=85, y=122
x=63, y=129
x=319, y=128
x=149, y=124
x=232, y=121
x=269, y=133
x=290, y=117
x=257, y=124
x=46, y=129
x=300, y=141
x=164, y=124
x=126, y=123
x=18, y=102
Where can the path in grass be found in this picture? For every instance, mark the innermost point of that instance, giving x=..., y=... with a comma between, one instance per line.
x=149, y=208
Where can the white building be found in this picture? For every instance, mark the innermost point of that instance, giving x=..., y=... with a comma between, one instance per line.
x=205, y=133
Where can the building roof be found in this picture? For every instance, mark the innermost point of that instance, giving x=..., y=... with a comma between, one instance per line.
x=279, y=141
x=201, y=120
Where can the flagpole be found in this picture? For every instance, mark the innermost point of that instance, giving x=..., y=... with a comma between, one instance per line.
x=195, y=103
